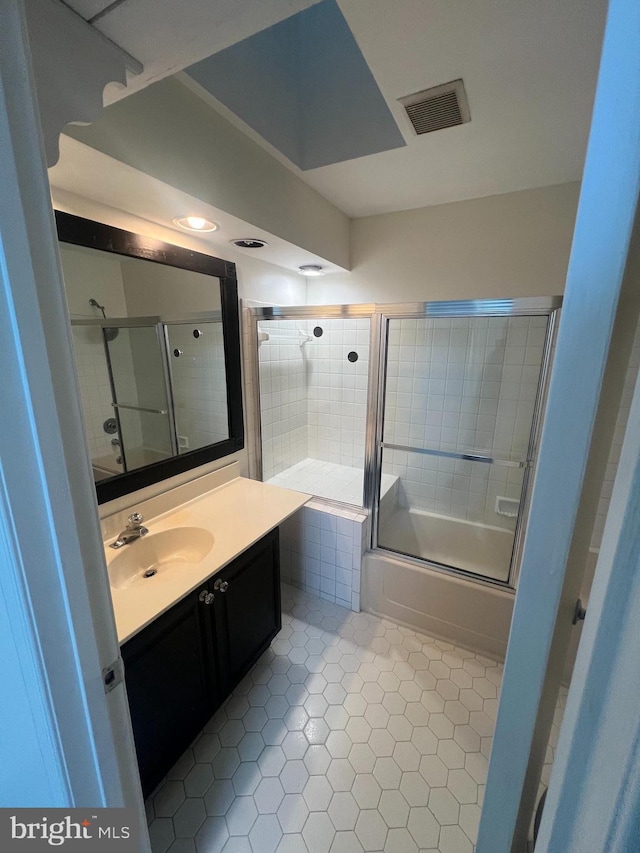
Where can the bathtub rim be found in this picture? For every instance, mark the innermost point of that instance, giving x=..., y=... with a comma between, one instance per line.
x=457, y=570
x=450, y=627
x=421, y=562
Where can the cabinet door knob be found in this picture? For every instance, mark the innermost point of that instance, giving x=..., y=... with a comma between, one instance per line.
x=221, y=586
x=206, y=597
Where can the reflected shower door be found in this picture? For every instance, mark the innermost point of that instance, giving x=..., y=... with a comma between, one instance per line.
x=140, y=396
x=459, y=411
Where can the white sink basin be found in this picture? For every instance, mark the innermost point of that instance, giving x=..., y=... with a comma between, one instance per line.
x=159, y=553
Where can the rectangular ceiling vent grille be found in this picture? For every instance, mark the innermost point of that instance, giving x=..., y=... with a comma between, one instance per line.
x=438, y=107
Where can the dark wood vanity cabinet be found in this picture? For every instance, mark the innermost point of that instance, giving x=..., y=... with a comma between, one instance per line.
x=172, y=685
x=182, y=667
x=248, y=611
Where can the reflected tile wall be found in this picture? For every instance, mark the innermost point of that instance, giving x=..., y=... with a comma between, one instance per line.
x=199, y=384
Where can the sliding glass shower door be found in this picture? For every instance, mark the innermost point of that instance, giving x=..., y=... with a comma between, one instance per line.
x=140, y=399
x=460, y=407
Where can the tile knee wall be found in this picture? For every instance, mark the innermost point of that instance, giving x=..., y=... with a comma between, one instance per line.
x=321, y=549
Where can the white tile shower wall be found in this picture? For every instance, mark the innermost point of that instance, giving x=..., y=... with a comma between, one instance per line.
x=616, y=444
x=461, y=385
x=337, y=391
x=313, y=398
x=199, y=384
x=283, y=360
x=321, y=552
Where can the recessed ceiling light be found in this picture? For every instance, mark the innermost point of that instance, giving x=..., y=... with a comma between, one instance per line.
x=249, y=243
x=195, y=223
x=311, y=269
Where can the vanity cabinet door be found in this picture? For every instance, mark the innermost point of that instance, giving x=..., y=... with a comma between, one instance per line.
x=247, y=608
x=171, y=685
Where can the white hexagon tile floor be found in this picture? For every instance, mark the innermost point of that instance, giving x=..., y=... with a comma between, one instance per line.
x=350, y=734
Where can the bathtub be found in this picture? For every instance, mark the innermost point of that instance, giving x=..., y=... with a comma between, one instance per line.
x=449, y=607
x=480, y=549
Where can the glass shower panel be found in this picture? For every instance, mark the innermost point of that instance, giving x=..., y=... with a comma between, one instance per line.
x=458, y=417
x=198, y=383
x=313, y=399
x=139, y=391
x=444, y=510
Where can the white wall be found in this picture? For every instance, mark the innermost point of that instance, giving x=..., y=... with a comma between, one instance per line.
x=92, y=275
x=509, y=245
x=157, y=289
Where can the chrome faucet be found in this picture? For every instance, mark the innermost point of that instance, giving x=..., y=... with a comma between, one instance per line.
x=133, y=531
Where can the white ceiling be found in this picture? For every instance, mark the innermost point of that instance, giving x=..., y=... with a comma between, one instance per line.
x=529, y=70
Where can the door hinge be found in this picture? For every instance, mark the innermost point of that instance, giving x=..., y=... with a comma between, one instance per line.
x=579, y=612
x=113, y=675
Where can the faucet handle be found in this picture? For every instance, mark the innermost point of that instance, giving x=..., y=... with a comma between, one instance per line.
x=136, y=518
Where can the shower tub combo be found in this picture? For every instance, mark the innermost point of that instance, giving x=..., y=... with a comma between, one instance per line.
x=415, y=428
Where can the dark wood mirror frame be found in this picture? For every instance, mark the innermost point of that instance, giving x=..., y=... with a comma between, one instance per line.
x=95, y=235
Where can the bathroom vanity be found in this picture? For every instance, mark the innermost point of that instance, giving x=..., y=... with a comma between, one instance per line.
x=197, y=601
x=180, y=668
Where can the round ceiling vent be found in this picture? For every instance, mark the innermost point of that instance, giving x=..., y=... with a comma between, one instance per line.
x=250, y=243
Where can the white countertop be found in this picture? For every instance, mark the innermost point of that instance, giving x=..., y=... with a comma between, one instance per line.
x=237, y=513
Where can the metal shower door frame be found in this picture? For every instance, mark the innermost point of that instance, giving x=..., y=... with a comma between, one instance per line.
x=365, y=311
x=160, y=323
x=520, y=307
x=379, y=316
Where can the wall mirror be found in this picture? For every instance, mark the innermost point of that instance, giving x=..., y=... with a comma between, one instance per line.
x=157, y=345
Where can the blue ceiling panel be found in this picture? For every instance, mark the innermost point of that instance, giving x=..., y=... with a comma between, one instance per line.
x=305, y=87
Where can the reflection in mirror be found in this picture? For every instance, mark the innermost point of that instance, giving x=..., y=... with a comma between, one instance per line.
x=152, y=355
x=196, y=359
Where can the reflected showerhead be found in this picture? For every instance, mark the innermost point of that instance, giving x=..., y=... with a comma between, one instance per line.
x=109, y=332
